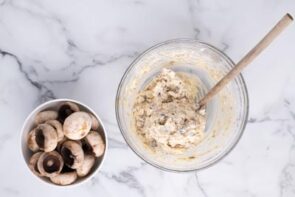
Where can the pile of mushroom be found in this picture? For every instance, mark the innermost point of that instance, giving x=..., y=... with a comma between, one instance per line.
x=65, y=144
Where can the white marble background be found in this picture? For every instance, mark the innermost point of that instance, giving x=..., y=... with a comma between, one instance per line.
x=80, y=49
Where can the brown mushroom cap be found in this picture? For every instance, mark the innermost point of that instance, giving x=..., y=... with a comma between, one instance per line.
x=87, y=165
x=31, y=141
x=77, y=125
x=50, y=164
x=65, y=178
x=66, y=109
x=95, y=143
x=58, y=127
x=33, y=163
x=45, y=137
x=43, y=116
x=94, y=123
x=72, y=154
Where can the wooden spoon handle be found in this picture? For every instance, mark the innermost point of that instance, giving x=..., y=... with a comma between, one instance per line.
x=251, y=55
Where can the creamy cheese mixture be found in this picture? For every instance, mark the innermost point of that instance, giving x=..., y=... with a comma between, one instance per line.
x=165, y=113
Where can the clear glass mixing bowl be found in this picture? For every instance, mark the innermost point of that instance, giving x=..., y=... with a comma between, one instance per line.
x=226, y=115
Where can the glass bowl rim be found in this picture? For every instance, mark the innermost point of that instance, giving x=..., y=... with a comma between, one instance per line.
x=243, y=87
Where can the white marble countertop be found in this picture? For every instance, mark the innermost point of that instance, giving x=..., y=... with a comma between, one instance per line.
x=80, y=50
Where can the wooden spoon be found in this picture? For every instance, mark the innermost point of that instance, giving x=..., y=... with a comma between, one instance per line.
x=247, y=59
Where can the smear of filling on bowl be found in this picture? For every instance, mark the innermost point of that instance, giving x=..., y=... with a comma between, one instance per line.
x=166, y=114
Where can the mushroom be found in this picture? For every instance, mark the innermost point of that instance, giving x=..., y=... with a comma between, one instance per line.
x=64, y=178
x=85, y=168
x=45, y=137
x=94, y=122
x=66, y=109
x=31, y=141
x=33, y=163
x=50, y=164
x=59, y=144
x=67, y=169
x=93, y=142
x=58, y=127
x=77, y=125
x=43, y=116
x=72, y=154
